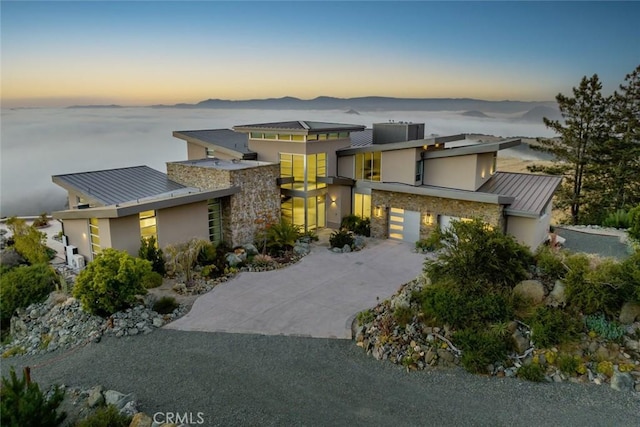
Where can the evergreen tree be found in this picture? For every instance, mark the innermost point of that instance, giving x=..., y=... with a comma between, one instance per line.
x=583, y=129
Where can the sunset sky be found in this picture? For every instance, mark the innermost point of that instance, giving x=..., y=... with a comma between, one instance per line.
x=148, y=52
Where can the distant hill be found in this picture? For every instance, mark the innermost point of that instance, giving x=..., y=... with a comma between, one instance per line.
x=96, y=106
x=536, y=114
x=371, y=103
x=475, y=113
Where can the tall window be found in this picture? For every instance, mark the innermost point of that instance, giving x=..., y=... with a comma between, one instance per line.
x=368, y=166
x=362, y=205
x=94, y=237
x=419, y=170
x=304, y=170
x=148, y=225
x=307, y=213
x=215, y=220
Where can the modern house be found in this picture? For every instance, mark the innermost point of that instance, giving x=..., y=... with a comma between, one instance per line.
x=234, y=181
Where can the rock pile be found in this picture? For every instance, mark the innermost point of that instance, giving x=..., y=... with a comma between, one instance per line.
x=417, y=346
x=60, y=322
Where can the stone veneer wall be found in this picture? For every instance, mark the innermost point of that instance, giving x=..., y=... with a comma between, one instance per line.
x=490, y=213
x=243, y=213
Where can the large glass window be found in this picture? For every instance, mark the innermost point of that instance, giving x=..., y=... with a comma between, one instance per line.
x=215, y=220
x=148, y=225
x=304, y=175
x=362, y=205
x=94, y=237
x=368, y=165
x=307, y=217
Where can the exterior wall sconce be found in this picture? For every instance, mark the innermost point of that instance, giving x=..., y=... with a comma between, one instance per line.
x=378, y=211
x=333, y=201
x=427, y=218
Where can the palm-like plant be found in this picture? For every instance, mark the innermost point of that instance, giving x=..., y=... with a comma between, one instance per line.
x=282, y=236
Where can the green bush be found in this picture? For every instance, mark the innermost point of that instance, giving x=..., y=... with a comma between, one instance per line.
x=480, y=348
x=609, y=330
x=213, y=258
x=340, y=238
x=152, y=280
x=634, y=223
x=111, y=282
x=477, y=255
x=25, y=285
x=630, y=275
x=28, y=241
x=357, y=225
x=182, y=258
x=460, y=308
x=41, y=221
x=429, y=244
x=531, y=372
x=601, y=289
x=569, y=364
x=403, y=315
x=165, y=305
x=549, y=263
x=617, y=219
x=365, y=317
x=263, y=261
x=24, y=404
x=150, y=251
x=553, y=326
x=282, y=237
x=105, y=416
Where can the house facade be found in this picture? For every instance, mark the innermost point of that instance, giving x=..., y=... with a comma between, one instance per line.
x=312, y=174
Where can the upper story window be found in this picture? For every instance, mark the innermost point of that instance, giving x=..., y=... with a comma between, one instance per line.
x=299, y=138
x=210, y=153
x=368, y=165
x=305, y=170
x=94, y=237
x=148, y=225
x=419, y=170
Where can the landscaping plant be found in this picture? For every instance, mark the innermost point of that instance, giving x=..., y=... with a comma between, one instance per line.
x=182, y=258
x=339, y=239
x=25, y=285
x=105, y=416
x=111, y=282
x=150, y=251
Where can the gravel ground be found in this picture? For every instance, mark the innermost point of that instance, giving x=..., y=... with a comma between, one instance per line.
x=237, y=379
x=578, y=241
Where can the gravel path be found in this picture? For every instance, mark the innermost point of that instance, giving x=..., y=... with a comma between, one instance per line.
x=238, y=379
x=605, y=245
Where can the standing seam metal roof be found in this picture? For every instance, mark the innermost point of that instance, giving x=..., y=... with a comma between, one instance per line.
x=226, y=138
x=531, y=192
x=113, y=186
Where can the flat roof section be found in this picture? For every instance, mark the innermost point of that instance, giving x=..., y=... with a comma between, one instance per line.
x=223, y=164
x=300, y=126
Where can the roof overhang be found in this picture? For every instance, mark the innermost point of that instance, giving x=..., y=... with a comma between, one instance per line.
x=472, y=149
x=206, y=144
x=391, y=146
x=336, y=180
x=445, y=193
x=133, y=208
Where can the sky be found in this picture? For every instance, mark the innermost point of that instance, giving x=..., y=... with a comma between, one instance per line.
x=160, y=52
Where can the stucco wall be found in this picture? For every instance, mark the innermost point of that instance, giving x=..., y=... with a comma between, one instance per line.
x=182, y=223
x=491, y=214
x=399, y=166
x=484, y=165
x=346, y=167
x=77, y=232
x=195, y=151
x=342, y=206
x=451, y=172
x=530, y=231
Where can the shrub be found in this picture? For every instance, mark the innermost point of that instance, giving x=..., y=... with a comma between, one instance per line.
x=28, y=241
x=182, y=258
x=569, y=364
x=480, y=349
x=549, y=263
x=630, y=275
x=165, y=305
x=634, y=223
x=598, y=289
x=609, y=330
x=213, y=258
x=357, y=225
x=152, y=280
x=475, y=254
x=22, y=403
x=429, y=244
x=403, y=315
x=262, y=261
x=617, y=219
x=281, y=237
x=340, y=238
x=111, y=282
x=460, y=308
x=105, y=416
x=41, y=221
x=553, y=326
x=150, y=251
x=531, y=372
x=365, y=317
x=25, y=285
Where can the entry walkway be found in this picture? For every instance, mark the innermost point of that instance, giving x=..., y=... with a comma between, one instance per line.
x=317, y=297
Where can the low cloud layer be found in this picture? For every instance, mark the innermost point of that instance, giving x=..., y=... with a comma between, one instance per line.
x=38, y=143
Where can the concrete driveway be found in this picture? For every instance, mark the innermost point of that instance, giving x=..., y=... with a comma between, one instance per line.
x=317, y=297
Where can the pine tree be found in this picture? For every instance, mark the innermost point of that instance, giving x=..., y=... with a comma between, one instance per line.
x=584, y=129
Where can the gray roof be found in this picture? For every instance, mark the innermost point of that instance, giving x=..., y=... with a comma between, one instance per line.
x=531, y=192
x=301, y=125
x=472, y=149
x=113, y=186
x=225, y=138
x=362, y=139
x=365, y=143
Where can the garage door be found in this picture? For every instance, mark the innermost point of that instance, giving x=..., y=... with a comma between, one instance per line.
x=404, y=225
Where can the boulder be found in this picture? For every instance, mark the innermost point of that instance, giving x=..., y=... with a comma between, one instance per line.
x=120, y=400
x=629, y=313
x=520, y=342
x=95, y=397
x=301, y=250
x=622, y=381
x=530, y=289
x=346, y=249
x=10, y=258
x=233, y=259
x=557, y=297
x=250, y=249
x=17, y=328
x=141, y=420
